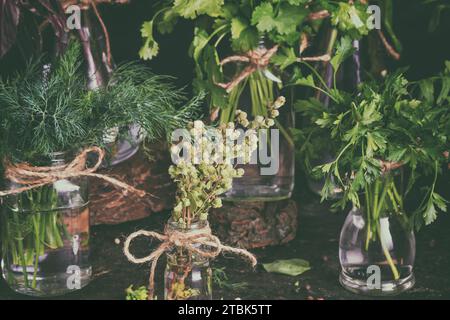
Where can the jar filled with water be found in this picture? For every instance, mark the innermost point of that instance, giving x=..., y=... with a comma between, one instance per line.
x=45, y=237
x=188, y=275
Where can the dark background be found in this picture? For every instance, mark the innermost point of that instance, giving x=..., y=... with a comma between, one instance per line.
x=423, y=52
x=317, y=239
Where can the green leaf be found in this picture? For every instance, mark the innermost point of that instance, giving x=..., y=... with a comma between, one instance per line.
x=440, y=202
x=150, y=48
x=199, y=43
x=291, y=267
x=427, y=90
x=325, y=121
x=326, y=168
x=311, y=107
x=168, y=21
x=430, y=213
x=237, y=26
x=263, y=17
x=351, y=20
x=370, y=113
x=140, y=293
x=297, y=2
x=285, y=58
x=375, y=142
x=308, y=81
x=396, y=155
x=288, y=18
x=444, y=91
x=191, y=9
x=344, y=50
x=248, y=40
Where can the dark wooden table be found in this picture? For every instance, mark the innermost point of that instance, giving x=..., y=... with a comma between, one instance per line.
x=316, y=241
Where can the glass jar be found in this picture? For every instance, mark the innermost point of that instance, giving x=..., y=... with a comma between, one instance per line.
x=271, y=177
x=377, y=244
x=45, y=237
x=188, y=276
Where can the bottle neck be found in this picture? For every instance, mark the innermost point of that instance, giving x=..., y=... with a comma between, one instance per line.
x=262, y=42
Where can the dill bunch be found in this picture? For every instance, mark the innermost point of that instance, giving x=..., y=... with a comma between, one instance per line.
x=48, y=108
x=42, y=110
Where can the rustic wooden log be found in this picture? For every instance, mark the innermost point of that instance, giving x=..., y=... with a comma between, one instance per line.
x=110, y=206
x=255, y=224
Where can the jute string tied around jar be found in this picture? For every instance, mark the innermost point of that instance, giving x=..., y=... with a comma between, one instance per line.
x=256, y=59
x=32, y=177
x=199, y=241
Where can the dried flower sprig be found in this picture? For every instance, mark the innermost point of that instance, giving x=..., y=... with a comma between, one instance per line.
x=208, y=170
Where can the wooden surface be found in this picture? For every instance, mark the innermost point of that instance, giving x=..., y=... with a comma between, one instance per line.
x=110, y=206
x=255, y=224
x=316, y=241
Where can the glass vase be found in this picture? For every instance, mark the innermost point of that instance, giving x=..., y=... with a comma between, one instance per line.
x=377, y=243
x=45, y=237
x=271, y=177
x=187, y=276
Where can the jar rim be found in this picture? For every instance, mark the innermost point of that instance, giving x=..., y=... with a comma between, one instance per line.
x=196, y=224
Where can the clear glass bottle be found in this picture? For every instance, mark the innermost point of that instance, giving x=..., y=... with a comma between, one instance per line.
x=272, y=177
x=123, y=142
x=188, y=276
x=377, y=244
x=45, y=237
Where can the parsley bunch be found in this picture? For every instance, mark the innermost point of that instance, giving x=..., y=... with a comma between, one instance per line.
x=395, y=121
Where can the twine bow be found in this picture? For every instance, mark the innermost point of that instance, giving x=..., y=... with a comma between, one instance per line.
x=32, y=177
x=257, y=59
x=199, y=241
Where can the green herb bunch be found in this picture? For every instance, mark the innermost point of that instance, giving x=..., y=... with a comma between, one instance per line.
x=228, y=26
x=50, y=110
x=394, y=122
x=312, y=139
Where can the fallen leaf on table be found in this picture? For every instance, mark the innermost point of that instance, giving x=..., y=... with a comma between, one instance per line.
x=291, y=267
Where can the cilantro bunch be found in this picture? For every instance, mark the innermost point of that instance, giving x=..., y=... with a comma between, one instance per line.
x=224, y=27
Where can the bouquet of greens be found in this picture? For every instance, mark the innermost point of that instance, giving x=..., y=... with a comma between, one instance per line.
x=47, y=110
x=379, y=128
x=232, y=26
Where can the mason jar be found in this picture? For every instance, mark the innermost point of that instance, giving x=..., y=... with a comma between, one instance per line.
x=45, y=236
x=187, y=276
x=271, y=176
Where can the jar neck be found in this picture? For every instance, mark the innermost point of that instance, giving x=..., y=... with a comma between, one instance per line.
x=383, y=196
x=194, y=225
x=262, y=42
x=179, y=255
x=57, y=159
